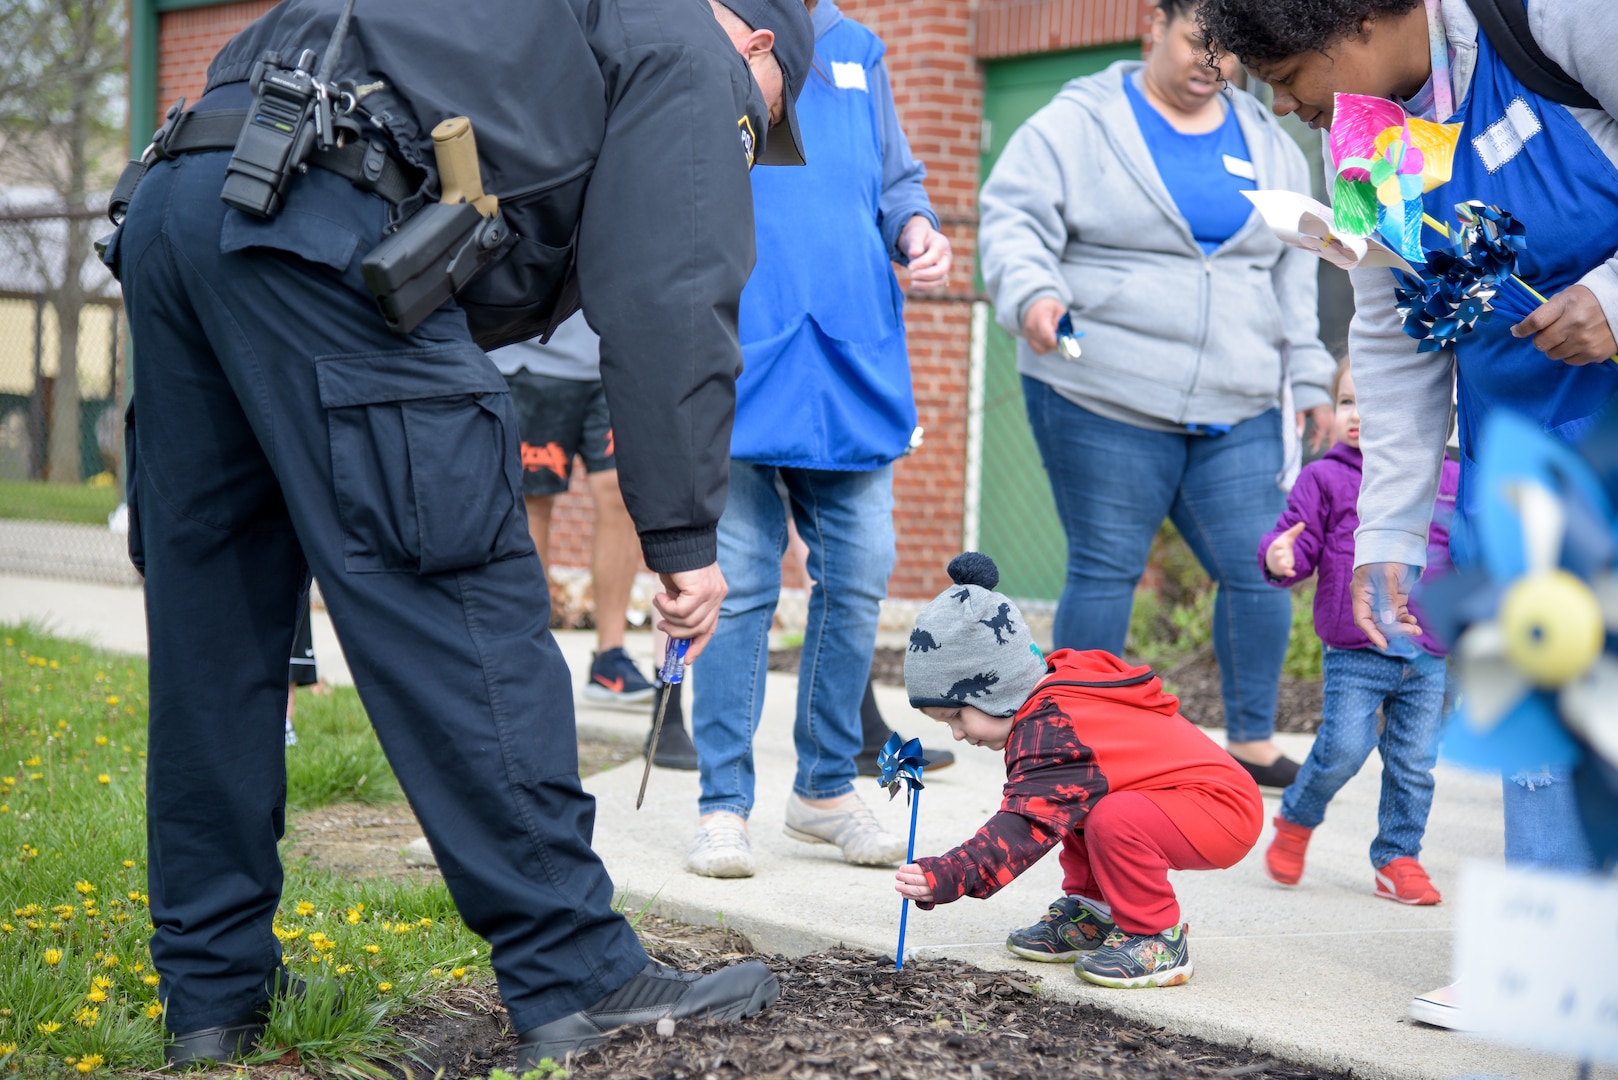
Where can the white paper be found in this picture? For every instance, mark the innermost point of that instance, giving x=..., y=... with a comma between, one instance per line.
x=1306, y=223
x=1536, y=956
x=848, y=76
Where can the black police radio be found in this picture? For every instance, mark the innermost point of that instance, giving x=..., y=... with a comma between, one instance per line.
x=282, y=125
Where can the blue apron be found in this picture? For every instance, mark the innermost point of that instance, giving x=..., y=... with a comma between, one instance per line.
x=1549, y=174
x=825, y=381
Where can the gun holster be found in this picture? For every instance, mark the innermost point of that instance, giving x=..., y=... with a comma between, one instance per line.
x=431, y=258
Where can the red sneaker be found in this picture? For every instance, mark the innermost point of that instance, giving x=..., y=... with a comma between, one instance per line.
x=1405, y=881
x=1284, y=859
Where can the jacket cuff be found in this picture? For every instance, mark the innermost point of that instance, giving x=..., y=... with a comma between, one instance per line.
x=1042, y=294
x=671, y=551
x=1308, y=395
x=1603, y=281
x=1389, y=546
x=947, y=887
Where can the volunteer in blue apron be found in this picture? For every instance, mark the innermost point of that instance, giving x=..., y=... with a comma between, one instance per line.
x=823, y=409
x=1536, y=94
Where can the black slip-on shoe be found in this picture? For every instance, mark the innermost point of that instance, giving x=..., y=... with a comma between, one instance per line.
x=728, y=994
x=1278, y=774
x=235, y=1039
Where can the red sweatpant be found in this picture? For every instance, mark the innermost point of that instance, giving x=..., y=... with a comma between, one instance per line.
x=1123, y=856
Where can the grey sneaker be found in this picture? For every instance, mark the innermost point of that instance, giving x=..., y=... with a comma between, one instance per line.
x=1069, y=928
x=853, y=828
x=727, y=994
x=722, y=849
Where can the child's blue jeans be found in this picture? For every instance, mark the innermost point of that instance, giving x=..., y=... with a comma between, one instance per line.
x=1410, y=693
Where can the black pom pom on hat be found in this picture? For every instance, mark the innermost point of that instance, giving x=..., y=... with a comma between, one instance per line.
x=974, y=568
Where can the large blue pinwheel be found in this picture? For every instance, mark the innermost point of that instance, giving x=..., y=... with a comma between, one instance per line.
x=900, y=764
x=1533, y=622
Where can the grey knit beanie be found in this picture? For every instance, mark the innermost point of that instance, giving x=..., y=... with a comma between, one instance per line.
x=971, y=645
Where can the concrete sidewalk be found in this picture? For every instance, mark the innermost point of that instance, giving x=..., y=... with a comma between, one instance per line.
x=1321, y=974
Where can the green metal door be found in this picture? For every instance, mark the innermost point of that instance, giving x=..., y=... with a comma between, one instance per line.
x=1016, y=520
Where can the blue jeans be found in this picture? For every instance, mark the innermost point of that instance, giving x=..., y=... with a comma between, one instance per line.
x=1114, y=484
x=1410, y=693
x=846, y=518
x=1542, y=822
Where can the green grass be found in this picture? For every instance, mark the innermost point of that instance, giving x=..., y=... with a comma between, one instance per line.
x=38, y=501
x=77, y=990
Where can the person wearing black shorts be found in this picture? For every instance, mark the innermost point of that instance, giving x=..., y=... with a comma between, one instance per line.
x=562, y=414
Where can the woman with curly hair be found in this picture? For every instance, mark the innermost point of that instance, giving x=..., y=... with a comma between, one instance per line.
x=1546, y=154
x=1118, y=209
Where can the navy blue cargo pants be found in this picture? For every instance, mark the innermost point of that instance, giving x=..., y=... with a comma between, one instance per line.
x=280, y=428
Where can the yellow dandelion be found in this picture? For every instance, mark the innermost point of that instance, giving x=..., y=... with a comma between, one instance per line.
x=33, y=762
x=436, y=972
x=137, y=968
x=96, y=995
x=84, y=887
x=27, y=911
x=89, y=1063
x=63, y=911
x=289, y=935
x=6, y=928
x=55, y=926
x=384, y=988
x=87, y=1016
x=103, y=778
x=36, y=776
x=353, y=916
x=112, y=699
x=318, y=958
x=404, y=928
x=54, y=664
x=317, y=939
x=344, y=969
x=129, y=864
x=102, y=981
x=153, y=1011
x=7, y=1048
x=373, y=949
x=149, y=980
x=424, y=921
x=53, y=956
x=305, y=908
x=111, y=961
x=133, y=894
x=50, y=1027
x=101, y=740
x=61, y=724
x=458, y=973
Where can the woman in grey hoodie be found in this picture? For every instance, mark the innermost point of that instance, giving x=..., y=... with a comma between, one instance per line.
x=1118, y=206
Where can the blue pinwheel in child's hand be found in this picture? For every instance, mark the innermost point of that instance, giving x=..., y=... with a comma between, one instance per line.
x=900, y=764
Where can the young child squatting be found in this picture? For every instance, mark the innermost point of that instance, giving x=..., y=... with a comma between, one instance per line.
x=1099, y=760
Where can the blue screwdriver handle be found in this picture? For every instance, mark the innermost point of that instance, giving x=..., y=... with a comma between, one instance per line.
x=673, y=670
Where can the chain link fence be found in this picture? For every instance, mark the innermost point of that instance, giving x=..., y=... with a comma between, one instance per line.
x=63, y=380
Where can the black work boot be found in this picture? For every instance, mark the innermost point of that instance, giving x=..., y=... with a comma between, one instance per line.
x=874, y=732
x=728, y=994
x=674, y=747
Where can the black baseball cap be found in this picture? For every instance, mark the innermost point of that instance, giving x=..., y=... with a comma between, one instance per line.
x=794, y=50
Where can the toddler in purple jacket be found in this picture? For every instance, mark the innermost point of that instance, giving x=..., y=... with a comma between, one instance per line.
x=1316, y=536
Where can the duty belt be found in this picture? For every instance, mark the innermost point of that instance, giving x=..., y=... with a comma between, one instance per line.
x=365, y=162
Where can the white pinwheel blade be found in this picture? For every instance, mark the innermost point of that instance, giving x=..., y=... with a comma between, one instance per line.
x=1543, y=524
x=1605, y=588
x=1590, y=707
x=1491, y=685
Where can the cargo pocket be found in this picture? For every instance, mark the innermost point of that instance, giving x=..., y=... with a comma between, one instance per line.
x=424, y=460
x=137, y=543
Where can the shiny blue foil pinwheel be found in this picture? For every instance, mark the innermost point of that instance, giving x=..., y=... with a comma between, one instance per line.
x=1473, y=279
x=1533, y=616
x=900, y=764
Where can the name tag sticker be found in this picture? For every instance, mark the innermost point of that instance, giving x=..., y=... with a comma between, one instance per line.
x=849, y=76
x=1237, y=167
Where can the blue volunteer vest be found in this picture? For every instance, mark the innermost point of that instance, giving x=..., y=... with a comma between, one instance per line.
x=826, y=376
x=1531, y=158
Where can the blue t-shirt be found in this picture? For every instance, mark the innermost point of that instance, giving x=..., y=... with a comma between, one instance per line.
x=1205, y=174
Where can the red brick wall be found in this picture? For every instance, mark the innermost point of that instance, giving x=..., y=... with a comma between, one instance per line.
x=187, y=41
x=938, y=88
x=1017, y=27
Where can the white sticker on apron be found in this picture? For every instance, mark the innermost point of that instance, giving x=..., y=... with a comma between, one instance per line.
x=849, y=76
x=1237, y=167
x=1504, y=139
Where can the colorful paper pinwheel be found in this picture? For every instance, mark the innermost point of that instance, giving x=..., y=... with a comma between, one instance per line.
x=1384, y=161
x=1532, y=624
x=900, y=764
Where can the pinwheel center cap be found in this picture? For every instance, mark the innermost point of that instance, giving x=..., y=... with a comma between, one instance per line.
x=1553, y=627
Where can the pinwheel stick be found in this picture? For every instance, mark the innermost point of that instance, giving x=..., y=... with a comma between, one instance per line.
x=899, y=765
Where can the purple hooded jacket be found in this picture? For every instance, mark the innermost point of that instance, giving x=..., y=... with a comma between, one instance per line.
x=1324, y=499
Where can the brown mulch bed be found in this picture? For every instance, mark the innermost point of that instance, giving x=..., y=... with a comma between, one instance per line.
x=849, y=1014
x=1195, y=681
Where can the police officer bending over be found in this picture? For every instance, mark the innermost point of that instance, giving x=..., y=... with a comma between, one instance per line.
x=280, y=427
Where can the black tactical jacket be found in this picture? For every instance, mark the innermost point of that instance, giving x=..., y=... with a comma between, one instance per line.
x=618, y=135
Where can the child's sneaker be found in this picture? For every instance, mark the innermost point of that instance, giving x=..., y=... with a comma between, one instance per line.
x=1131, y=961
x=1070, y=927
x=1283, y=861
x=1405, y=881
x=614, y=680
